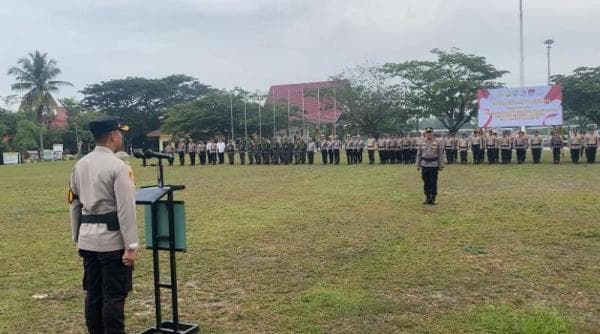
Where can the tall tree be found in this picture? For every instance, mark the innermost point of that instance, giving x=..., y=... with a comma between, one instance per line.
x=141, y=101
x=371, y=105
x=446, y=87
x=35, y=75
x=581, y=94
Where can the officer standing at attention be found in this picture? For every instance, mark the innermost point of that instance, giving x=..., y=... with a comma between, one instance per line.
x=520, y=144
x=181, y=149
x=323, y=147
x=556, y=144
x=371, y=142
x=463, y=148
x=575, y=146
x=430, y=159
x=230, y=149
x=590, y=141
x=536, y=147
x=242, y=151
x=102, y=213
x=192, y=152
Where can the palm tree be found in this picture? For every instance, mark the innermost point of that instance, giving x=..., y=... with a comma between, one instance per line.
x=35, y=75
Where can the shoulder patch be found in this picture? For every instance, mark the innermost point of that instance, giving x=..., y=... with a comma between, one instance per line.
x=130, y=173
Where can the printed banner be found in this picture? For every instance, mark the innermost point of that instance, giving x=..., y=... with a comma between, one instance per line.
x=10, y=158
x=525, y=106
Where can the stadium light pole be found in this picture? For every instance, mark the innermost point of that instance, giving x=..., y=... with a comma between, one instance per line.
x=549, y=43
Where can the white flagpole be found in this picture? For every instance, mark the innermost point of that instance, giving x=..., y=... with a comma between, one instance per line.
x=319, y=109
x=231, y=106
x=303, y=124
x=259, y=123
x=334, y=112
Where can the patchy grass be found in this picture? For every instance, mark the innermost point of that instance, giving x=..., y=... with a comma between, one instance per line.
x=331, y=249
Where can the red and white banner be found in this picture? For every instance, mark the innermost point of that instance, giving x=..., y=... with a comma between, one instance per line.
x=525, y=106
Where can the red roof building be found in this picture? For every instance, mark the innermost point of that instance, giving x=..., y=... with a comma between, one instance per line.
x=315, y=111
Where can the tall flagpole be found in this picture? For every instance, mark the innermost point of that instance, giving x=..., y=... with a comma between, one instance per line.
x=259, y=123
x=521, y=46
x=273, y=112
x=288, y=118
x=231, y=108
x=319, y=109
x=334, y=113
x=245, y=122
x=304, y=134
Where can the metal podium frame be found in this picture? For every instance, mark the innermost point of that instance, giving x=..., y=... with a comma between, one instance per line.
x=152, y=196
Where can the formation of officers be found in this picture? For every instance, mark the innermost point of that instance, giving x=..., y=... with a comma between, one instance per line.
x=485, y=146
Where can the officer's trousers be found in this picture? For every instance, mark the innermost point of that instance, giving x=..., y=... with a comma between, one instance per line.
x=193, y=158
x=349, y=157
x=463, y=157
x=449, y=156
x=476, y=154
x=230, y=157
x=202, y=157
x=591, y=154
x=381, y=156
x=536, y=153
x=371, y=156
x=242, y=158
x=324, y=156
x=556, y=154
x=107, y=282
x=521, y=152
x=311, y=157
x=575, y=155
x=506, y=155
x=491, y=155
x=429, y=176
x=181, y=158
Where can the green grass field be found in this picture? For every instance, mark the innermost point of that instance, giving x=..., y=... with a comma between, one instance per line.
x=331, y=249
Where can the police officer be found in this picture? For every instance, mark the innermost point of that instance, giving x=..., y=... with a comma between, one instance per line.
x=590, y=142
x=230, y=149
x=323, y=147
x=430, y=159
x=575, y=146
x=192, y=152
x=382, y=150
x=556, y=145
x=103, y=223
x=181, y=149
x=476, y=142
x=310, y=150
x=536, y=147
x=520, y=144
x=371, y=142
x=201, y=148
x=506, y=148
x=463, y=148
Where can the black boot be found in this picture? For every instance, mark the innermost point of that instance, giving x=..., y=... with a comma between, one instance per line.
x=432, y=200
x=427, y=199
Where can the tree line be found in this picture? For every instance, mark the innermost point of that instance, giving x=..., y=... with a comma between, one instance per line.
x=388, y=98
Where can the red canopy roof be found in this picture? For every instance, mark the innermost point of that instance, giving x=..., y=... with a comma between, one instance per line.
x=325, y=91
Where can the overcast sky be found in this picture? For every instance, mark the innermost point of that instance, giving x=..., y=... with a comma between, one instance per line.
x=257, y=43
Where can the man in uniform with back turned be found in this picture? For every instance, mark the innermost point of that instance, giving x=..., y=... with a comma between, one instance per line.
x=102, y=212
x=430, y=158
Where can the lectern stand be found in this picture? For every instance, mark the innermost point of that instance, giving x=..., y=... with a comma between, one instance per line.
x=165, y=230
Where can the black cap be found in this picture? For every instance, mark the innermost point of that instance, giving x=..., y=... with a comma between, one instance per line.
x=106, y=124
x=428, y=129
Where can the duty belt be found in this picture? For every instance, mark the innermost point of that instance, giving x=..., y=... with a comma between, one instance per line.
x=429, y=159
x=111, y=220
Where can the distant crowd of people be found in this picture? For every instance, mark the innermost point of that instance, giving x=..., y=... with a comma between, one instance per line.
x=485, y=146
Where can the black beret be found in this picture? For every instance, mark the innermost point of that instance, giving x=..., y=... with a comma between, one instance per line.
x=428, y=129
x=106, y=124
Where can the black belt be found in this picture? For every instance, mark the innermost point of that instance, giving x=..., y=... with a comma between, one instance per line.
x=429, y=159
x=536, y=147
x=111, y=220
